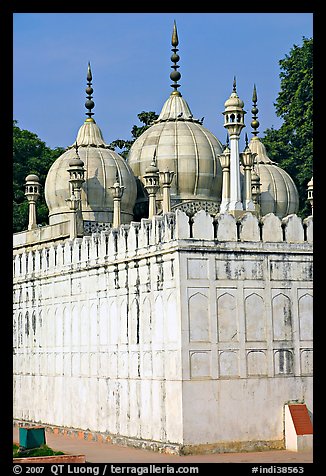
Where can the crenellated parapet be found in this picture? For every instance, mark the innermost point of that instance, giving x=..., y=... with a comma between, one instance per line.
x=164, y=232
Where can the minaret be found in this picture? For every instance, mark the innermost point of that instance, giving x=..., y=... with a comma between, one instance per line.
x=76, y=173
x=166, y=177
x=32, y=192
x=225, y=164
x=234, y=123
x=255, y=179
x=310, y=190
x=117, y=192
x=247, y=159
x=151, y=178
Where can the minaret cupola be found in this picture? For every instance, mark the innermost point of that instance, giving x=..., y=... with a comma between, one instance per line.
x=234, y=123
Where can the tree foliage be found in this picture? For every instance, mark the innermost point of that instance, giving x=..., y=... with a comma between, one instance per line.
x=30, y=156
x=147, y=118
x=292, y=144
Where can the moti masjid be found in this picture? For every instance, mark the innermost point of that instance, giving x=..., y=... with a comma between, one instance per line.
x=168, y=302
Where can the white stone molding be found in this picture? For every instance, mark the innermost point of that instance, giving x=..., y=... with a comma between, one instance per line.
x=308, y=223
x=271, y=228
x=249, y=227
x=182, y=229
x=202, y=228
x=293, y=229
x=226, y=227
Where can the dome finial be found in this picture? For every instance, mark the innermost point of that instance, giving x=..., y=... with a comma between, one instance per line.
x=175, y=75
x=89, y=104
x=234, y=85
x=246, y=140
x=175, y=39
x=254, y=110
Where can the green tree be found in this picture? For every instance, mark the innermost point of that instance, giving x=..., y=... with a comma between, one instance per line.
x=292, y=144
x=30, y=156
x=147, y=118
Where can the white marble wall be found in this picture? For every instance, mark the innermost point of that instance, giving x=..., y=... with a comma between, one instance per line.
x=147, y=333
x=247, y=342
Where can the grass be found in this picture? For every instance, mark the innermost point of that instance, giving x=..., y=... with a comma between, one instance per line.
x=43, y=450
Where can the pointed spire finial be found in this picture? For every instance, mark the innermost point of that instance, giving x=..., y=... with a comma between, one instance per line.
x=89, y=72
x=234, y=85
x=254, y=95
x=254, y=110
x=154, y=160
x=89, y=104
x=175, y=75
x=246, y=140
x=175, y=39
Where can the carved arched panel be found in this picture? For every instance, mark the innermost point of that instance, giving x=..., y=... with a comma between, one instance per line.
x=282, y=317
x=256, y=363
x=305, y=317
x=198, y=318
x=84, y=326
x=172, y=319
x=283, y=362
x=58, y=323
x=27, y=326
x=15, y=331
x=114, y=328
x=103, y=323
x=306, y=361
x=123, y=322
x=93, y=325
x=255, y=317
x=146, y=321
x=134, y=320
x=75, y=331
x=227, y=325
x=158, y=321
x=228, y=363
x=20, y=329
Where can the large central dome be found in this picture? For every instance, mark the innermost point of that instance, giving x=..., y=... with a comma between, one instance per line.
x=181, y=144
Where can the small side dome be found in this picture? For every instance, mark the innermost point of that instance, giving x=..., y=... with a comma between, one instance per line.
x=75, y=162
x=279, y=194
x=102, y=166
x=234, y=102
x=32, y=178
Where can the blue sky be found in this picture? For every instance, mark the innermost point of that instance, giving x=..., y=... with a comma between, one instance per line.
x=130, y=60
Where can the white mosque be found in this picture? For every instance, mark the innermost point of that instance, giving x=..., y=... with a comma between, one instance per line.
x=168, y=303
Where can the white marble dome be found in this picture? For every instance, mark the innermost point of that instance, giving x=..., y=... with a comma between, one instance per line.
x=279, y=194
x=101, y=166
x=184, y=146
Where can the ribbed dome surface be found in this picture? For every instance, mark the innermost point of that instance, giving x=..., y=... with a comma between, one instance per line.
x=279, y=194
x=184, y=146
x=101, y=165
